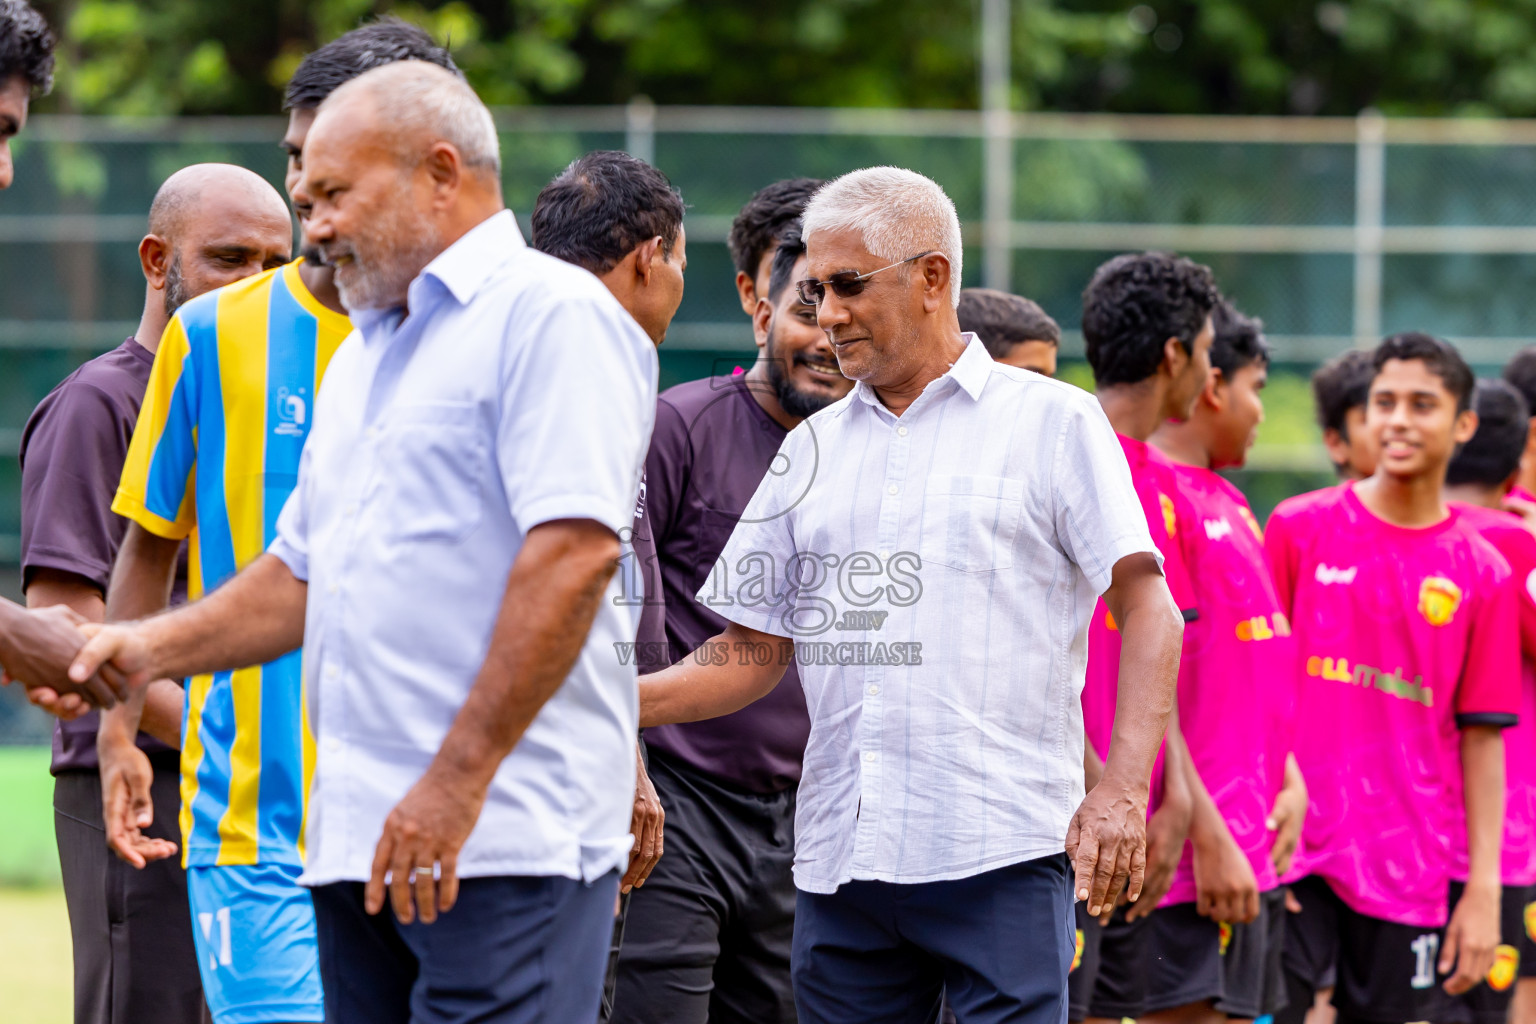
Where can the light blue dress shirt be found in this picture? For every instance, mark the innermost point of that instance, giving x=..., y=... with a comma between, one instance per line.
x=517, y=391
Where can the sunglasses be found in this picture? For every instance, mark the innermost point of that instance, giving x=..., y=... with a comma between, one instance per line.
x=846, y=284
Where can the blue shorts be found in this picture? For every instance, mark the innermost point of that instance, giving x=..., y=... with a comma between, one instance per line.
x=254, y=927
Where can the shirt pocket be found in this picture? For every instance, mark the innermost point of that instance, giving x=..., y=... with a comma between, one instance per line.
x=970, y=523
x=434, y=463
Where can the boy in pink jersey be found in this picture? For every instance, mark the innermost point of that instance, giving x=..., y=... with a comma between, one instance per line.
x=1146, y=321
x=1521, y=372
x=1405, y=621
x=1339, y=391
x=1478, y=482
x=1218, y=935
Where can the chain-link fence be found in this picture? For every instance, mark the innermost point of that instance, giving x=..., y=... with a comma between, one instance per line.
x=1334, y=231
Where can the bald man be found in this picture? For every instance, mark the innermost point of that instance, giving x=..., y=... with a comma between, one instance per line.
x=448, y=556
x=210, y=224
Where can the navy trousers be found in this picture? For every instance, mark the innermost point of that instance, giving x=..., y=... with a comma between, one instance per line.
x=513, y=950
x=1000, y=944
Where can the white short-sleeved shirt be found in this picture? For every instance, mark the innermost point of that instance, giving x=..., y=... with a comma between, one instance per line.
x=938, y=572
x=517, y=392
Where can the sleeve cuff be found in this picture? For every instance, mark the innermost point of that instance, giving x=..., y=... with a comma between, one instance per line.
x=769, y=621
x=95, y=573
x=571, y=506
x=1122, y=548
x=296, y=561
x=1498, y=719
x=130, y=507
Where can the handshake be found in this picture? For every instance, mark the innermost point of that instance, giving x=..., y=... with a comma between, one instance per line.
x=69, y=665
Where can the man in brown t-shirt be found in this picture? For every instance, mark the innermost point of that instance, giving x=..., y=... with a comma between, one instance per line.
x=210, y=225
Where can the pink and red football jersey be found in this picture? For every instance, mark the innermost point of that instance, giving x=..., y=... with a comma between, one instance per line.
x=1237, y=678
x=1518, y=547
x=1153, y=475
x=1402, y=636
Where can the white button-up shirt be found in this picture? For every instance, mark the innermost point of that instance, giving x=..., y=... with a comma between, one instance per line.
x=516, y=392
x=938, y=572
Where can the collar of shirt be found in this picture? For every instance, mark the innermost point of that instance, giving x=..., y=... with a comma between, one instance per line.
x=459, y=270
x=969, y=372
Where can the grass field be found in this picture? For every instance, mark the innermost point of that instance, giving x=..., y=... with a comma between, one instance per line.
x=34, y=957
x=34, y=928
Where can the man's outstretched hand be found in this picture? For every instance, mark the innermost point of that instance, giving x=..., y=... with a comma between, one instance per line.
x=126, y=804
x=37, y=650
x=1107, y=841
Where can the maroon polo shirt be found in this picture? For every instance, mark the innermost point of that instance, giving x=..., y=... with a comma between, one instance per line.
x=711, y=446
x=72, y=454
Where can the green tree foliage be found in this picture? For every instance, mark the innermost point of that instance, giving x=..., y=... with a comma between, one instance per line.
x=1183, y=56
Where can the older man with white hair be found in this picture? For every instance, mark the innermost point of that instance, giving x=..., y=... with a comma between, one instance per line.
x=447, y=558
x=929, y=556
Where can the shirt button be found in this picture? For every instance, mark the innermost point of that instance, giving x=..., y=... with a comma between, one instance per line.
x=333, y=588
x=333, y=745
x=892, y=488
x=330, y=671
x=884, y=555
x=870, y=756
x=372, y=432
x=352, y=509
x=901, y=431
x=874, y=690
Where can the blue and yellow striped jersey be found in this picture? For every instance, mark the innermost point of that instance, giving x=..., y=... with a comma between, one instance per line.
x=214, y=457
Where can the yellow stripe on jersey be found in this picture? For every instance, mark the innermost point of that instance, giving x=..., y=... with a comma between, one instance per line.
x=214, y=458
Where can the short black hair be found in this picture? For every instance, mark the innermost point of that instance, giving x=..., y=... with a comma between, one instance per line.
x=26, y=46
x=1339, y=385
x=1503, y=422
x=761, y=223
x=1134, y=304
x=791, y=248
x=1521, y=372
x=603, y=205
x=1002, y=320
x=1438, y=356
x=380, y=42
x=1239, y=340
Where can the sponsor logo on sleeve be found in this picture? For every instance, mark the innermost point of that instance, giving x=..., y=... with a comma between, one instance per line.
x=1253, y=524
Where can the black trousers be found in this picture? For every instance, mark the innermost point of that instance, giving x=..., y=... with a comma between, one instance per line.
x=130, y=929
x=707, y=938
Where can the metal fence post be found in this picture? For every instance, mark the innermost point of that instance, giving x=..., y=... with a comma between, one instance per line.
x=640, y=129
x=995, y=42
x=1370, y=189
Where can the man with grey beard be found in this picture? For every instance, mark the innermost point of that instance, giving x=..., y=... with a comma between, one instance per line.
x=210, y=225
x=447, y=558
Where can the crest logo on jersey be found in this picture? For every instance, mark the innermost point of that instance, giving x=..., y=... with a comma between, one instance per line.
x=1253, y=524
x=1225, y=931
x=1216, y=529
x=1327, y=574
x=1077, y=954
x=1170, y=521
x=1530, y=921
x=1438, y=600
x=292, y=412
x=1506, y=967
